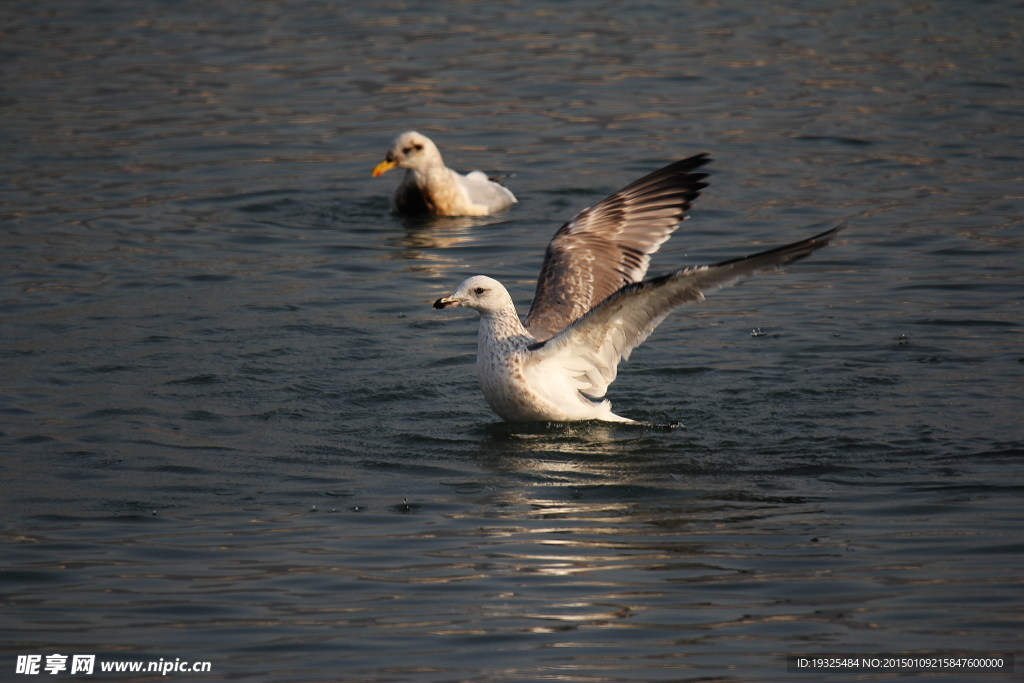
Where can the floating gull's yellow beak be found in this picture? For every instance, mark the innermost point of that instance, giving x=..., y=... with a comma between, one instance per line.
x=383, y=167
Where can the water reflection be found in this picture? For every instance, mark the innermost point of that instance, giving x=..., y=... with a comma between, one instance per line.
x=439, y=232
x=596, y=537
x=425, y=239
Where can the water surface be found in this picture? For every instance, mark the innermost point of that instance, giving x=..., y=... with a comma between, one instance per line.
x=233, y=429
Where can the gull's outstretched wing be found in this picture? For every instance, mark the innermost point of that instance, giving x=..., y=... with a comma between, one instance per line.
x=591, y=348
x=610, y=244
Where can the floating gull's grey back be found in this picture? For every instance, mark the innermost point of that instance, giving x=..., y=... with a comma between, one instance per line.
x=592, y=307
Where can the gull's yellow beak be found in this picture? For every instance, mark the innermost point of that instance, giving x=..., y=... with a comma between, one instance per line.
x=383, y=167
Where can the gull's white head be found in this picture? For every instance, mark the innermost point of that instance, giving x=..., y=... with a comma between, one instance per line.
x=409, y=150
x=479, y=292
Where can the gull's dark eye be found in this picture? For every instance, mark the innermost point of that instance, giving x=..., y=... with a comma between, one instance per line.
x=479, y=291
x=407, y=150
x=418, y=147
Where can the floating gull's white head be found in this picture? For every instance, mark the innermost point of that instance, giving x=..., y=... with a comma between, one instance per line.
x=410, y=150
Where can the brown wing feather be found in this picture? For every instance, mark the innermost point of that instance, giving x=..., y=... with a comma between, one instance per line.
x=610, y=244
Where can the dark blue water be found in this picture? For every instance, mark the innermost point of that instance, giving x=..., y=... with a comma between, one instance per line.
x=233, y=429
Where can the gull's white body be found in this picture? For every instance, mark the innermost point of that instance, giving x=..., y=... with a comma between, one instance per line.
x=521, y=383
x=431, y=187
x=592, y=305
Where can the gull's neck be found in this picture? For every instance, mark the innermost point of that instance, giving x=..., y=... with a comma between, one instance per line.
x=434, y=176
x=429, y=165
x=502, y=327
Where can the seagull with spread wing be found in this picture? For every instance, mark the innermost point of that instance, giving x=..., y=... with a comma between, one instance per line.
x=593, y=306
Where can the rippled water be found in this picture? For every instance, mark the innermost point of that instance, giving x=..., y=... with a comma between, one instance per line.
x=234, y=430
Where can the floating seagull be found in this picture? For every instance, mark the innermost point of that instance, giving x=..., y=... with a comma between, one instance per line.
x=431, y=187
x=593, y=306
